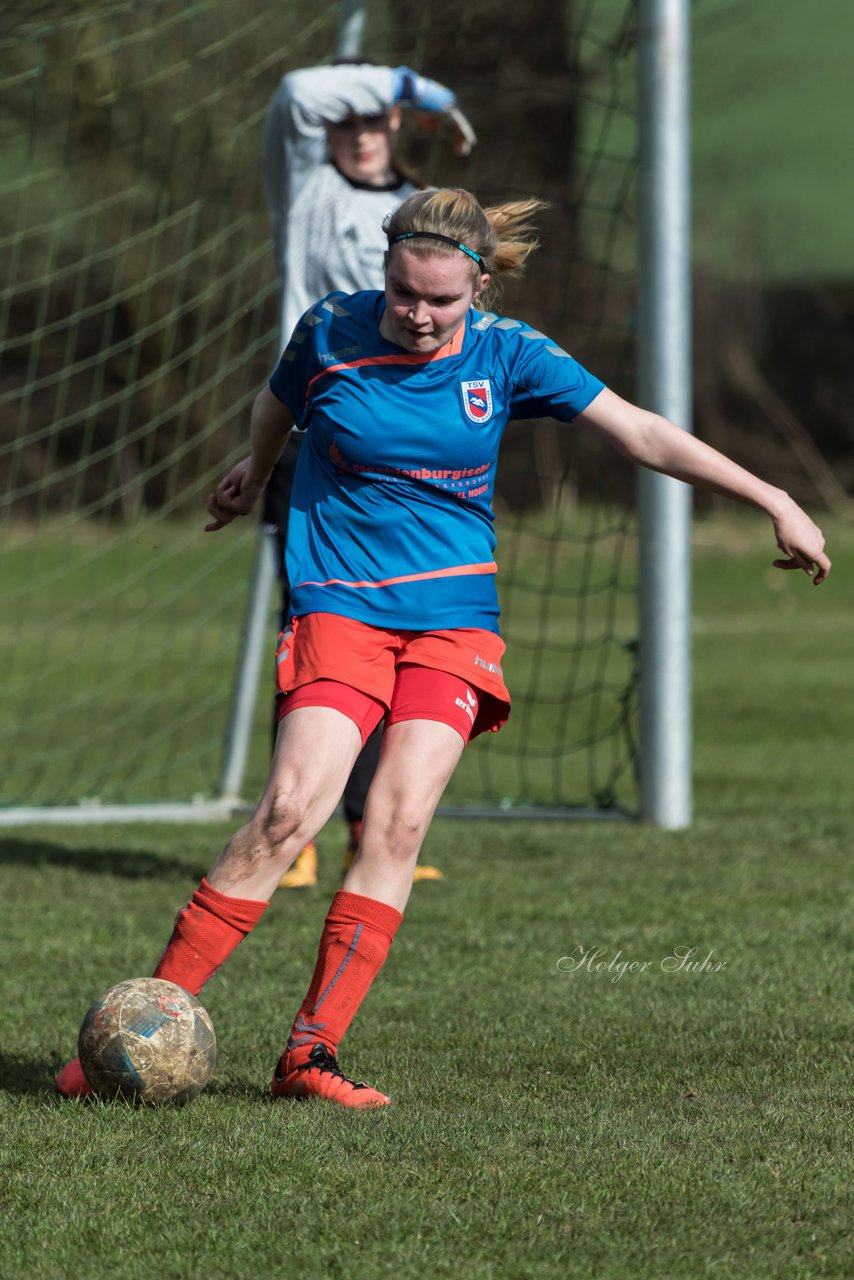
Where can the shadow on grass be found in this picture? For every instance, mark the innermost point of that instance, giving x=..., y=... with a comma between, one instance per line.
x=31, y=1077
x=22, y=1075
x=130, y=864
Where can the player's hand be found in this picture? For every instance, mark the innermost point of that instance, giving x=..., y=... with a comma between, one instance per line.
x=236, y=495
x=802, y=543
x=464, y=137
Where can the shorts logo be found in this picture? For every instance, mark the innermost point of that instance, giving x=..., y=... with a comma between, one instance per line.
x=487, y=666
x=463, y=706
x=469, y=706
x=477, y=400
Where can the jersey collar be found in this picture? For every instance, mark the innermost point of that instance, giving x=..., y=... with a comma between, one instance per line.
x=396, y=183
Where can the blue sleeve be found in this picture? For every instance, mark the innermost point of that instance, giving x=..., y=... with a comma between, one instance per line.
x=317, y=342
x=297, y=366
x=548, y=382
x=284, y=387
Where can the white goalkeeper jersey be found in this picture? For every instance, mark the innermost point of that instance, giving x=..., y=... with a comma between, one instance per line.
x=327, y=231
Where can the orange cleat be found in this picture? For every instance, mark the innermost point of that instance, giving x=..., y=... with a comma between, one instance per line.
x=72, y=1083
x=426, y=872
x=303, y=873
x=321, y=1077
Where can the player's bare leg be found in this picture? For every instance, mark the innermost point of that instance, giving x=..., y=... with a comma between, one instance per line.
x=416, y=763
x=355, y=800
x=315, y=750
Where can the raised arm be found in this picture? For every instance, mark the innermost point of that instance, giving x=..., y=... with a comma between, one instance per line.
x=270, y=425
x=302, y=105
x=652, y=441
x=306, y=101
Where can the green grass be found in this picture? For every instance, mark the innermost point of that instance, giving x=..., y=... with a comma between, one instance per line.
x=545, y=1123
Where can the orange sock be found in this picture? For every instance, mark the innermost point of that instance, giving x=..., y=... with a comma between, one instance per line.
x=353, y=947
x=206, y=932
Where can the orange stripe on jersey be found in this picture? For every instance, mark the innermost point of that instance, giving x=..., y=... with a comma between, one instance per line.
x=452, y=348
x=457, y=570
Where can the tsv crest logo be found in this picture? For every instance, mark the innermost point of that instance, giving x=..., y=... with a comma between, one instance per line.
x=477, y=400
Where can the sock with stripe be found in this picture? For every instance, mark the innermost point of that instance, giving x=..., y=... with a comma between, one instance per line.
x=353, y=948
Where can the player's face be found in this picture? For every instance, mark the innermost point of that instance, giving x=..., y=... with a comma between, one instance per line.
x=361, y=147
x=427, y=297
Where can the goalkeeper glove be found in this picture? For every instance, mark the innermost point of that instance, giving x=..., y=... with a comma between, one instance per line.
x=423, y=94
x=413, y=90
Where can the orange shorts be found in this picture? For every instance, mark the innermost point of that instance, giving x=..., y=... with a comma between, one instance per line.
x=325, y=646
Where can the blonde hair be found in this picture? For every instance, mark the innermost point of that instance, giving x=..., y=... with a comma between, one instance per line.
x=502, y=236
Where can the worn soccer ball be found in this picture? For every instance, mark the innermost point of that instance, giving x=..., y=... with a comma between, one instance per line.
x=148, y=1041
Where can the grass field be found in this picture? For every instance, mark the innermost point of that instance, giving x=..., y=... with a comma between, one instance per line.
x=549, y=1119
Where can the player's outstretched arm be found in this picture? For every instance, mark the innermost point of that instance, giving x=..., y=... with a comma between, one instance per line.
x=236, y=494
x=652, y=441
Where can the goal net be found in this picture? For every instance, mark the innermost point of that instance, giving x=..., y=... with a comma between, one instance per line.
x=139, y=318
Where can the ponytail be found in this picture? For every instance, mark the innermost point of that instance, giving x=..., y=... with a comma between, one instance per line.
x=502, y=236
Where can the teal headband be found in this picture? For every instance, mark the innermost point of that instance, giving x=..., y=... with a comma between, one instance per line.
x=435, y=235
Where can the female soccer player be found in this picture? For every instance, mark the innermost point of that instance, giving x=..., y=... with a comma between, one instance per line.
x=331, y=176
x=404, y=396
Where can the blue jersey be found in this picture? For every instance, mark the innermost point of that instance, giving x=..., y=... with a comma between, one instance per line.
x=391, y=517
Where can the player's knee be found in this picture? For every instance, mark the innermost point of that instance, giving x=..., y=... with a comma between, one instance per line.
x=279, y=819
x=403, y=831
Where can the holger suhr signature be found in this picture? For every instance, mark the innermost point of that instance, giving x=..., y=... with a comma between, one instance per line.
x=600, y=960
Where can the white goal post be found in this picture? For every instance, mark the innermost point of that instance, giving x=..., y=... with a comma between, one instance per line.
x=138, y=320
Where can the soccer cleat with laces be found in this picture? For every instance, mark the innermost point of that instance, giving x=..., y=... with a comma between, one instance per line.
x=321, y=1077
x=303, y=873
x=72, y=1083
